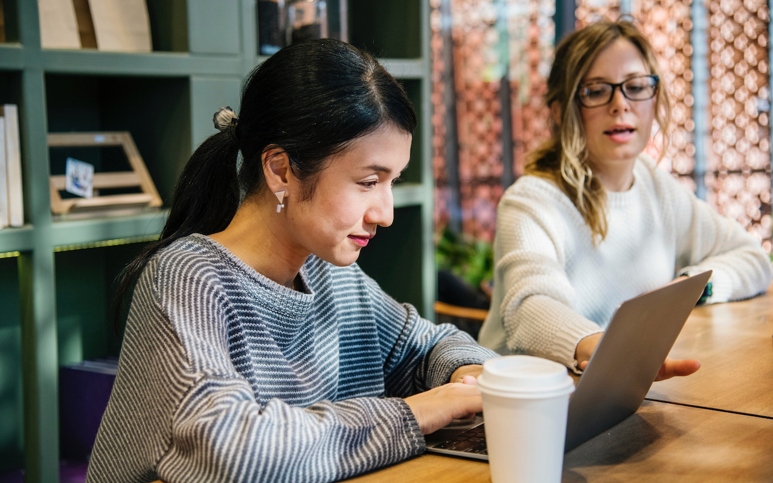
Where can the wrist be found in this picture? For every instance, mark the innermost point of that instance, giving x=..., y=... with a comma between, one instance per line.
x=708, y=291
x=473, y=370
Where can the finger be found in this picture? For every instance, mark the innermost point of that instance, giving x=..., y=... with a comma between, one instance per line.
x=582, y=365
x=677, y=367
x=470, y=380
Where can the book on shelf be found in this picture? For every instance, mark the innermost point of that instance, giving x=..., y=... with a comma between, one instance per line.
x=58, y=25
x=121, y=25
x=84, y=390
x=14, y=191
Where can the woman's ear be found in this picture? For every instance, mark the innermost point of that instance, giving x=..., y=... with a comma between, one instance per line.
x=276, y=168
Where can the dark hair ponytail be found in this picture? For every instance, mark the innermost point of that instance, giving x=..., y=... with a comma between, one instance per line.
x=205, y=200
x=310, y=99
x=207, y=193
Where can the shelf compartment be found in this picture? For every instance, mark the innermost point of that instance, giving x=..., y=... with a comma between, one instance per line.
x=11, y=409
x=10, y=87
x=155, y=110
x=85, y=286
x=167, y=21
x=386, y=29
x=10, y=10
x=169, y=25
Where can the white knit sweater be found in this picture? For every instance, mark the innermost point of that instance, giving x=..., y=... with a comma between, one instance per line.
x=553, y=286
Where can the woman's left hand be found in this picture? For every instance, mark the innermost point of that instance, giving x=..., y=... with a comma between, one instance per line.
x=670, y=368
x=677, y=367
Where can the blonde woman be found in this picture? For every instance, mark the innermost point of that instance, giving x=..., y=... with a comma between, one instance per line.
x=594, y=221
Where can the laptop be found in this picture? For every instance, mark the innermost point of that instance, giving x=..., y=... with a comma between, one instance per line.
x=618, y=376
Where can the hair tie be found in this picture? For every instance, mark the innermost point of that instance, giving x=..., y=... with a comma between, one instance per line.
x=224, y=118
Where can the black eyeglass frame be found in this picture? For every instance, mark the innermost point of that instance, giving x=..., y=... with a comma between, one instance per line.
x=619, y=85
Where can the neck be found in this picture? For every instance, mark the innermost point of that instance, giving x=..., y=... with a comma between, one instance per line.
x=614, y=178
x=257, y=236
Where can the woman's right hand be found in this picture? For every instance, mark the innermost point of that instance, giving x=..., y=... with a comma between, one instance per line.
x=670, y=368
x=585, y=349
x=437, y=407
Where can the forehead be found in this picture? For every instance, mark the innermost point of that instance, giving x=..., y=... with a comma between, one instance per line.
x=387, y=147
x=616, y=61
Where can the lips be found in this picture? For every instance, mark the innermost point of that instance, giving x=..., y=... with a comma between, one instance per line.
x=619, y=130
x=620, y=133
x=361, y=240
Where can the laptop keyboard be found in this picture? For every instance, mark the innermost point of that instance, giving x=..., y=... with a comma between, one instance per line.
x=471, y=441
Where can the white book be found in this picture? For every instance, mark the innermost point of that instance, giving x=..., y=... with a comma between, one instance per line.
x=58, y=25
x=121, y=25
x=13, y=166
x=3, y=179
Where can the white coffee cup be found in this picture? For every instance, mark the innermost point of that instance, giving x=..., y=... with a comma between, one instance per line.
x=525, y=403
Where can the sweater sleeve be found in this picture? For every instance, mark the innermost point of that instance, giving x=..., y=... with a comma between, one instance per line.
x=707, y=240
x=181, y=412
x=418, y=354
x=220, y=433
x=537, y=308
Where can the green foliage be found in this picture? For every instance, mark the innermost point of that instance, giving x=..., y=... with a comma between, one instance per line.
x=470, y=259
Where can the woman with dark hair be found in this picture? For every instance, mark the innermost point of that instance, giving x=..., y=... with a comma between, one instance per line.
x=594, y=221
x=255, y=348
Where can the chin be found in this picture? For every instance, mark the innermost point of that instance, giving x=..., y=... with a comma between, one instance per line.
x=341, y=261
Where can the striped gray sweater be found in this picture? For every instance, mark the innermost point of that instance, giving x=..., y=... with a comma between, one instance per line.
x=227, y=376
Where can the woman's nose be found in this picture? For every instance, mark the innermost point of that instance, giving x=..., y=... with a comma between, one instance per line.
x=382, y=211
x=619, y=101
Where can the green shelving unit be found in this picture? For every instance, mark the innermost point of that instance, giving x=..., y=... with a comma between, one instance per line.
x=56, y=272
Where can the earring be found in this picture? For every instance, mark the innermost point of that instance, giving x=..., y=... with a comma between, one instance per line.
x=280, y=195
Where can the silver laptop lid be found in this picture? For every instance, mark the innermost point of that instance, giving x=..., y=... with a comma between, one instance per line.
x=629, y=356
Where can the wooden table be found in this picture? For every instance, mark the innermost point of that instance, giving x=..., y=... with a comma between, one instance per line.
x=734, y=343
x=716, y=425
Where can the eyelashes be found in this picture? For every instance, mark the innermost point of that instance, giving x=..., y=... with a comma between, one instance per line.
x=371, y=184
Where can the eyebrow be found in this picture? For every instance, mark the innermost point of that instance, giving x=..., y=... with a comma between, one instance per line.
x=378, y=168
x=604, y=79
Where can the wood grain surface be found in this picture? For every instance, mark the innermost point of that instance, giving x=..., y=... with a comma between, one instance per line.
x=734, y=343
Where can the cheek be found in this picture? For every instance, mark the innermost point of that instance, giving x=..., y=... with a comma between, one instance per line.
x=590, y=127
x=648, y=119
x=341, y=212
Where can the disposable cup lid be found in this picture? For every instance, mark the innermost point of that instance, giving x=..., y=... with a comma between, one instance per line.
x=524, y=376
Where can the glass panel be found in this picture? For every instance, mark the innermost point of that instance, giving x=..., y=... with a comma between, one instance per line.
x=739, y=168
x=490, y=62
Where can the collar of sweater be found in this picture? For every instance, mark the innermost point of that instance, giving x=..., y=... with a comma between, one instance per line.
x=287, y=304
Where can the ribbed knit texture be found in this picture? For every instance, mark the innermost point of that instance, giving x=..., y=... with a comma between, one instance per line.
x=553, y=286
x=227, y=376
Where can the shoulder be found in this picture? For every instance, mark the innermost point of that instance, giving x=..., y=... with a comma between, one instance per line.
x=189, y=254
x=195, y=264
x=535, y=187
x=539, y=199
x=534, y=192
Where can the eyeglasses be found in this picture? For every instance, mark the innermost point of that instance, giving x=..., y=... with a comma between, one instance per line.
x=597, y=93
